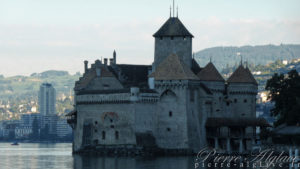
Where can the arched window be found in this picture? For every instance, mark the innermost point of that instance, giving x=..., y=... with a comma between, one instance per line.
x=117, y=135
x=103, y=135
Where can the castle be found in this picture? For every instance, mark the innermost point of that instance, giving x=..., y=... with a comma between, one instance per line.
x=173, y=104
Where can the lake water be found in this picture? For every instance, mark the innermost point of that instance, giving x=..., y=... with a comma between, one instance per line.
x=59, y=156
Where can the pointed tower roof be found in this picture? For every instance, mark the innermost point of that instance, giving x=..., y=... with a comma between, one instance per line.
x=210, y=73
x=242, y=75
x=173, y=27
x=172, y=68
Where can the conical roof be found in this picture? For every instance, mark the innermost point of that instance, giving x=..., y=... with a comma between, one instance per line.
x=210, y=73
x=242, y=75
x=172, y=68
x=173, y=27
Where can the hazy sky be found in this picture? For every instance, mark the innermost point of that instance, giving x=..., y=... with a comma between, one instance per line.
x=40, y=35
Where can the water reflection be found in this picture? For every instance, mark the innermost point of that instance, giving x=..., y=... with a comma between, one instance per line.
x=90, y=162
x=59, y=156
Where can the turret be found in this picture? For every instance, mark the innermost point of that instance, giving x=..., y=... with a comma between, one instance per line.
x=242, y=91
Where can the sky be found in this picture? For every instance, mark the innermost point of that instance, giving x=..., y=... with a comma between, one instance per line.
x=44, y=35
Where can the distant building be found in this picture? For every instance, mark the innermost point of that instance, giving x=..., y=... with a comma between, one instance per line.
x=23, y=131
x=27, y=119
x=62, y=128
x=47, y=99
x=285, y=62
x=50, y=121
x=1, y=129
x=33, y=109
x=9, y=127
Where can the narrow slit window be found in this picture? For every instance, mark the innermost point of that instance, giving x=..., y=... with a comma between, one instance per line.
x=103, y=135
x=170, y=113
x=117, y=135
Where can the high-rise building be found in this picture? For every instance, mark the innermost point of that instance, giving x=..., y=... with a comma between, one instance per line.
x=47, y=97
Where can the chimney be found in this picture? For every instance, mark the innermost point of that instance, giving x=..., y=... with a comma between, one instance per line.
x=111, y=61
x=85, y=66
x=105, y=61
x=115, y=57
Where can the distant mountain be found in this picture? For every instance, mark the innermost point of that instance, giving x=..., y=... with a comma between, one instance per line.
x=50, y=73
x=28, y=86
x=257, y=55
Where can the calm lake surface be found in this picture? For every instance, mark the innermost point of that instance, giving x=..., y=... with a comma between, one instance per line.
x=59, y=156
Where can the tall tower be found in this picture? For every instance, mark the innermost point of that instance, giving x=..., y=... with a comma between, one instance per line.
x=173, y=38
x=47, y=99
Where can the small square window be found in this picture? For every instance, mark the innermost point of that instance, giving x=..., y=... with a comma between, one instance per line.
x=168, y=129
x=245, y=101
x=172, y=37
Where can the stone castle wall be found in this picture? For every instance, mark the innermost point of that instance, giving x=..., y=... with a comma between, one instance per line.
x=178, y=45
